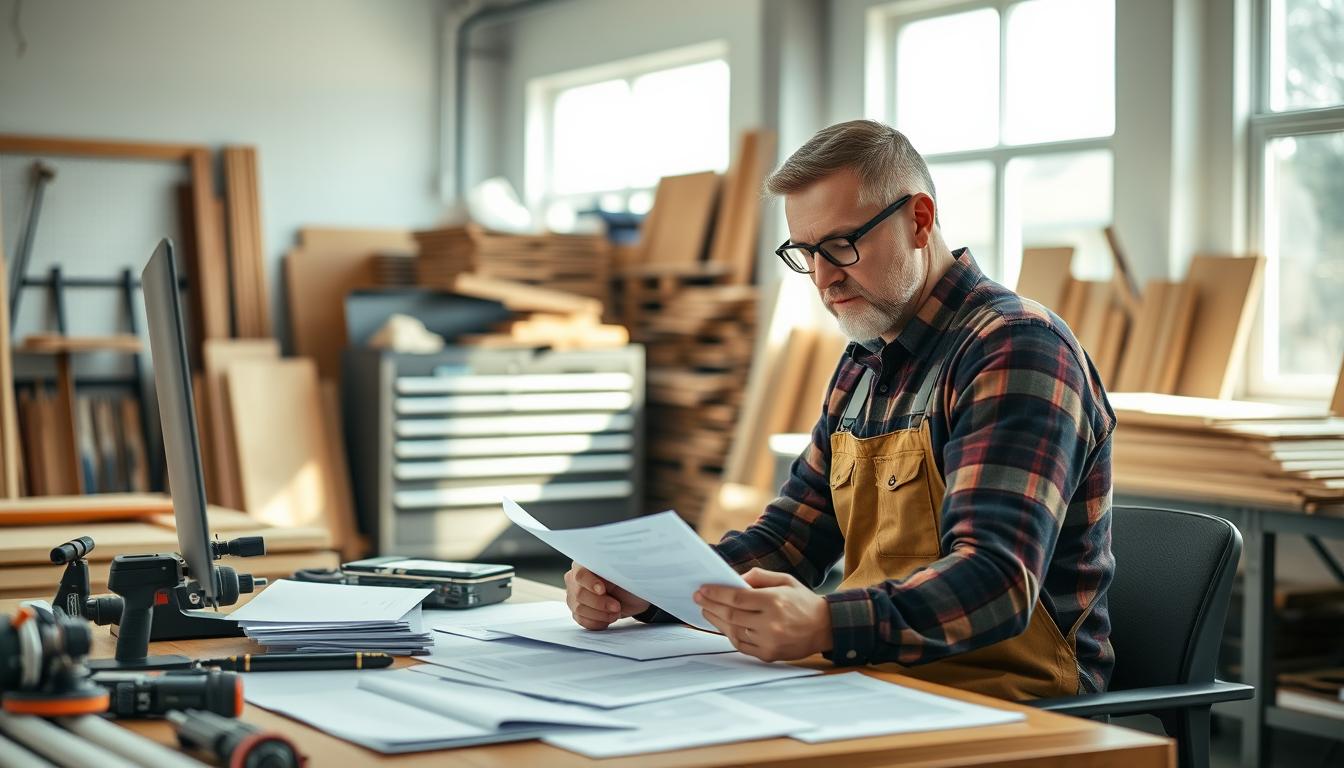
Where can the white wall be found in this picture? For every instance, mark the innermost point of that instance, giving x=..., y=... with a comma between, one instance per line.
x=339, y=96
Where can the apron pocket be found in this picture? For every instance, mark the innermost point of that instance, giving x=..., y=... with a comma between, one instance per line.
x=907, y=523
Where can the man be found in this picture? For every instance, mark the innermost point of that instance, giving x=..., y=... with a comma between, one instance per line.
x=961, y=464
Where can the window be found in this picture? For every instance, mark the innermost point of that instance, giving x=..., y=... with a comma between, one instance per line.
x=1297, y=218
x=1012, y=102
x=604, y=136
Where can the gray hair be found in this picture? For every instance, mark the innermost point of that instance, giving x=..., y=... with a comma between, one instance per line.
x=887, y=164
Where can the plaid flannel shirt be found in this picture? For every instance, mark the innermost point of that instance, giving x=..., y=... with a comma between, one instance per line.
x=1021, y=429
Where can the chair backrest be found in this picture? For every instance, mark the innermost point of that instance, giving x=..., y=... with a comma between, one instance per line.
x=1168, y=602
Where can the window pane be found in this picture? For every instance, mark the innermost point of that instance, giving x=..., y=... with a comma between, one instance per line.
x=1304, y=243
x=1306, y=67
x=966, y=208
x=1060, y=71
x=1062, y=199
x=680, y=117
x=589, y=136
x=947, y=81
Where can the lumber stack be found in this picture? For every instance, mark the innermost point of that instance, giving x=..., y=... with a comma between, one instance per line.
x=1183, y=337
x=577, y=264
x=541, y=317
x=1227, y=450
x=700, y=349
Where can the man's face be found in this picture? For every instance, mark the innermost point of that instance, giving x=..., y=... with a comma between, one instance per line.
x=875, y=296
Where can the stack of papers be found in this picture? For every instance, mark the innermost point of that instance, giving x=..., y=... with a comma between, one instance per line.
x=300, y=616
x=396, y=710
x=594, y=679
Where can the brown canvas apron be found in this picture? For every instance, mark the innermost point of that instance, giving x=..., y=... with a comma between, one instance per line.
x=888, y=496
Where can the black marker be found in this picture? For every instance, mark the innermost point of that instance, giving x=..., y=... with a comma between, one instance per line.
x=297, y=662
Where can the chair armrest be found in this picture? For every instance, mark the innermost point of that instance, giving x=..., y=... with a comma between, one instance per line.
x=1146, y=700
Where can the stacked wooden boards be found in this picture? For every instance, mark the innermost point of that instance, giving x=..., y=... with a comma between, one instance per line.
x=699, y=350
x=577, y=264
x=1186, y=338
x=26, y=569
x=1228, y=450
x=541, y=317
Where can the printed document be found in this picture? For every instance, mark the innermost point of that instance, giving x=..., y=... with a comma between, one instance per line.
x=657, y=557
x=695, y=721
x=595, y=679
x=628, y=638
x=487, y=621
x=853, y=706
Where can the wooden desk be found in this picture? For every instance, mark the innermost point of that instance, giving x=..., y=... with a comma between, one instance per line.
x=1043, y=739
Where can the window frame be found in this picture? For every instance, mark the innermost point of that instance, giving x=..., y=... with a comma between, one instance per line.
x=880, y=98
x=1264, y=126
x=542, y=93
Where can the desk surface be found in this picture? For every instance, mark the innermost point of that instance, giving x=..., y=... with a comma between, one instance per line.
x=1043, y=739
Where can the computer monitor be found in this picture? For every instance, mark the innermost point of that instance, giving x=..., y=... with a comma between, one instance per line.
x=177, y=413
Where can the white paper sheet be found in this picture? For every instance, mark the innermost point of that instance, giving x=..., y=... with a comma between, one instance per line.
x=628, y=638
x=683, y=723
x=484, y=623
x=484, y=708
x=599, y=680
x=854, y=705
x=657, y=557
x=287, y=603
x=342, y=703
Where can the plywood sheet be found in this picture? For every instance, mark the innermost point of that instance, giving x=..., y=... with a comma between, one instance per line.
x=210, y=271
x=1044, y=276
x=1139, y=358
x=1178, y=314
x=10, y=462
x=51, y=510
x=284, y=455
x=830, y=345
x=737, y=226
x=318, y=282
x=220, y=355
x=1226, y=289
x=1337, y=402
x=679, y=229
x=1093, y=312
x=342, y=494
x=251, y=312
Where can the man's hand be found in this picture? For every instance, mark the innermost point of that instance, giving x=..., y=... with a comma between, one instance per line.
x=779, y=619
x=596, y=603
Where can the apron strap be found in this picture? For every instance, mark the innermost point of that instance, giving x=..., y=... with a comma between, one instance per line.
x=857, y=399
x=920, y=408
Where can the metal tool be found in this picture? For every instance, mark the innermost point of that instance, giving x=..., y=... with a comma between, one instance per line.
x=233, y=742
x=42, y=670
x=140, y=694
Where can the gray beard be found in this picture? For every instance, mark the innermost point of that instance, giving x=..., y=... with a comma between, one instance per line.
x=875, y=318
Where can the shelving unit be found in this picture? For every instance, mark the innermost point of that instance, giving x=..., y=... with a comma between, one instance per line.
x=437, y=440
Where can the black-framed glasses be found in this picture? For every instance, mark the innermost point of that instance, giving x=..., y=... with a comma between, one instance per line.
x=839, y=250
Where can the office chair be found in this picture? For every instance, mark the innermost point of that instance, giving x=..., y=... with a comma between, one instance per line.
x=1168, y=602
